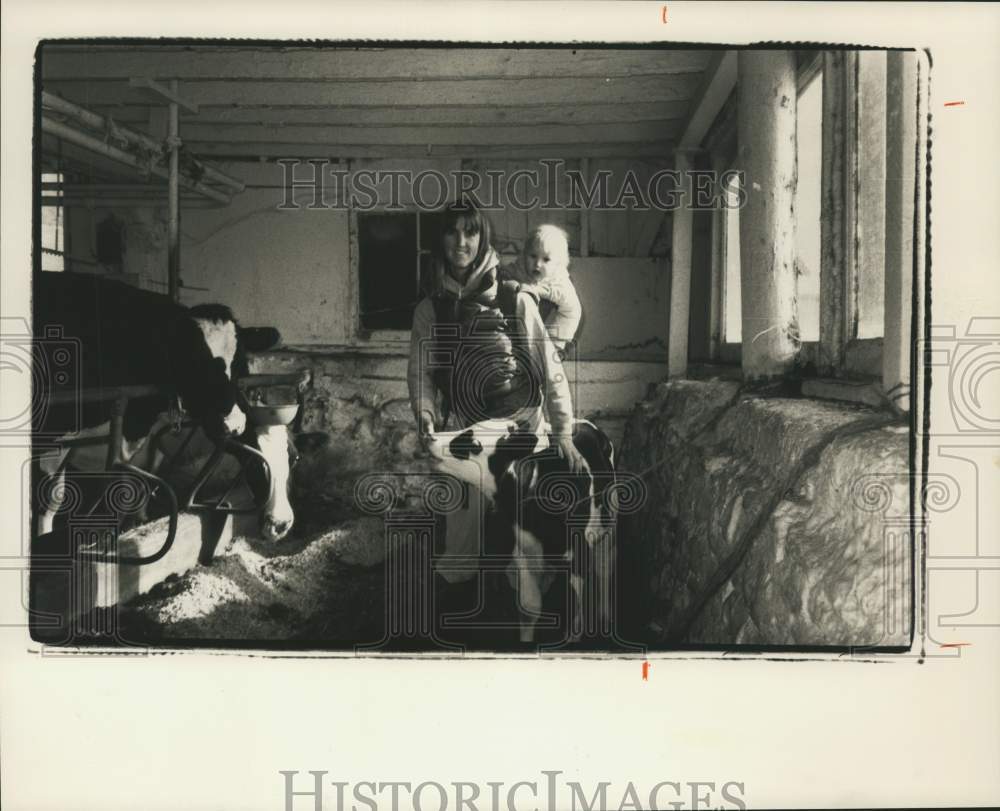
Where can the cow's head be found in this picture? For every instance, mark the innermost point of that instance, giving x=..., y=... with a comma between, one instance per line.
x=277, y=516
x=481, y=454
x=202, y=349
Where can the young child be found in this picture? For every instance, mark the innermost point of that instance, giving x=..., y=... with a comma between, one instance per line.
x=544, y=273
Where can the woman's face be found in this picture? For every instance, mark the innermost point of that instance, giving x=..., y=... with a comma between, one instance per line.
x=460, y=247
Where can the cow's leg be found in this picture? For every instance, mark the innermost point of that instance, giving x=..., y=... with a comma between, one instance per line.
x=528, y=559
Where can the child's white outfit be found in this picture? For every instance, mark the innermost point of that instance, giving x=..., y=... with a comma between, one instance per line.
x=562, y=320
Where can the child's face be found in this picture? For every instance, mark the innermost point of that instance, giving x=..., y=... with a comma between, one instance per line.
x=539, y=260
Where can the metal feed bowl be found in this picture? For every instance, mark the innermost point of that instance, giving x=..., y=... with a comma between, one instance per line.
x=273, y=414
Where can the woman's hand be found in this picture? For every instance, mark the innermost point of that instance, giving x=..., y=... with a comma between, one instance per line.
x=568, y=451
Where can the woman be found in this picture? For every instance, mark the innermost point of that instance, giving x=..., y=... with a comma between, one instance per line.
x=504, y=364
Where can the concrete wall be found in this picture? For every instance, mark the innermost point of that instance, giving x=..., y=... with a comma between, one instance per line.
x=363, y=396
x=762, y=522
x=626, y=305
x=292, y=269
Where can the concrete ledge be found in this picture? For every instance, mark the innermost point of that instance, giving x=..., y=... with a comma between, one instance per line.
x=848, y=391
x=65, y=586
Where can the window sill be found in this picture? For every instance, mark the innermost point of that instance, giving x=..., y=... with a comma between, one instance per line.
x=392, y=337
x=848, y=391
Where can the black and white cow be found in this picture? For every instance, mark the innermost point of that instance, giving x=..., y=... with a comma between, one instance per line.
x=549, y=512
x=124, y=336
x=273, y=441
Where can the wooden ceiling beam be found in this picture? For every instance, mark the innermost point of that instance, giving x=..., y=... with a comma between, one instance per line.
x=387, y=64
x=471, y=136
x=463, y=93
x=221, y=150
x=717, y=86
x=410, y=115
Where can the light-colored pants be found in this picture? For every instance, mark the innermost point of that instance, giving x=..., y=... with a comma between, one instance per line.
x=465, y=529
x=464, y=534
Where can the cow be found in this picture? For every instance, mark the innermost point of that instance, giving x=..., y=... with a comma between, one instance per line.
x=124, y=336
x=547, y=512
x=272, y=439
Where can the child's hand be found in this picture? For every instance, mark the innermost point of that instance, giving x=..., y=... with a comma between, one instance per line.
x=537, y=291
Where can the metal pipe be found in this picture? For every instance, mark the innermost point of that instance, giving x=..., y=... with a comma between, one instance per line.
x=104, y=395
x=273, y=380
x=221, y=177
x=173, y=201
x=95, y=556
x=99, y=122
x=123, y=202
x=89, y=142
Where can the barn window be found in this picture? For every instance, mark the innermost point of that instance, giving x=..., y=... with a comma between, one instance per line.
x=869, y=289
x=809, y=162
x=841, y=224
x=53, y=224
x=391, y=247
x=732, y=320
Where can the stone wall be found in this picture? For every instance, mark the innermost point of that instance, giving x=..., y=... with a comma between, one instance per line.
x=358, y=405
x=763, y=523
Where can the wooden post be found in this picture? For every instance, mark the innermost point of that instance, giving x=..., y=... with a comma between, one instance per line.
x=680, y=272
x=839, y=224
x=900, y=173
x=718, y=269
x=767, y=92
x=174, y=203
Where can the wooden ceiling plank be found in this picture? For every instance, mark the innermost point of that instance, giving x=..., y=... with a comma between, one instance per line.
x=59, y=62
x=472, y=92
x=591, y=133
x=221, y=150
x=426, y=116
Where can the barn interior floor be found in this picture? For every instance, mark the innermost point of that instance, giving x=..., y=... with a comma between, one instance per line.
x=325, y=586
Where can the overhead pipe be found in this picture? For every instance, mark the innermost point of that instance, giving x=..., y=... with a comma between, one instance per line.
x=67, y=133
x=99, y=122
x=103, y=201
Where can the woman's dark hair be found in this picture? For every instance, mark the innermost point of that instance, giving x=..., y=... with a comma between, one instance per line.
x=465, y=214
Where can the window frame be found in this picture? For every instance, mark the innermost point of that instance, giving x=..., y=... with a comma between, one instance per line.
x=390, y=338
x=810, y=68
x=722, y=144
x=839, y=352
x=54, y=175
